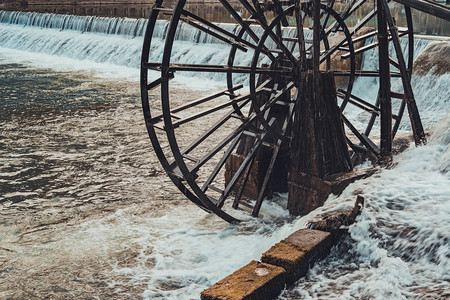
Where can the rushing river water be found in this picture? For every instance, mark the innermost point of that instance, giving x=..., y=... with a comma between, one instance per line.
x=87, y=212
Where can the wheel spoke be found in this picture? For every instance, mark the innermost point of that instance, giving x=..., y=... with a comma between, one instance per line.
x=368, y=107
x=362, y=137
x=210, y=68
x=416, y=123
x=196, y=102
x=273, y=159
x=244, y=164
x=235, y=38
x=222, y=161
x=371, y=46
x=242, y=184
x=300, y=35
x=211, y=110
x=240, y=21
x=222, y=144
x=364, y=73
x=213, y=34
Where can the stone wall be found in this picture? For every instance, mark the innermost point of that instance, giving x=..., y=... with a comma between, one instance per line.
x=111, y=8
x=210, y=9
x=118, y=8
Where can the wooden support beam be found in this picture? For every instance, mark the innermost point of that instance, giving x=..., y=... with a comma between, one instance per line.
x=318, y=147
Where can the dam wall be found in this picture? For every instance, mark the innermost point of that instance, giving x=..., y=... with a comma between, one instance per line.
x=208, y=9
x=110, y=8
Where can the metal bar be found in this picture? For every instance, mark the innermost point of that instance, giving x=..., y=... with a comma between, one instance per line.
x=276, y=150
x=370, y=46
x=220, y=164
x=409, y=23
x=300, y=35
x=242, y=185
x=364, y=73
x=362, y=37
x=213, y=34
x=385, y=84
x=198, y=101
x=316, y=48
x=157, y=82
x=373, y=107
x=372, y=118
x=358, y=104
x=430, y=7
x=394, y=62
x=361, y=137
x=243, y=165
x=211, y=110
x=210, y=68
x=219, y=29
x=355, y=148
x=416, y=123
x=324, y=20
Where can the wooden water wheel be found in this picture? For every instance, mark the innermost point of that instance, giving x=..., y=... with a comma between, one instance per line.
x=269, y=47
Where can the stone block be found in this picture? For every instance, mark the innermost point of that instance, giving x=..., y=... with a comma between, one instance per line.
x=308, y=239
x=298, y=252
x=252, y=282
x=290, y=258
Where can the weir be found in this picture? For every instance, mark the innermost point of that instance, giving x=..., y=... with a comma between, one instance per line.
x=128, y=33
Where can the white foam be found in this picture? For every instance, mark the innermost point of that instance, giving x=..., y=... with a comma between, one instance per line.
x=400, y=242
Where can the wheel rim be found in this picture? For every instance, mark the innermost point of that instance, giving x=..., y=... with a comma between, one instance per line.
x=184, y=169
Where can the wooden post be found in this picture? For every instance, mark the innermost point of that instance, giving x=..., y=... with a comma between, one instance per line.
x=385, y=84
x=318, y=147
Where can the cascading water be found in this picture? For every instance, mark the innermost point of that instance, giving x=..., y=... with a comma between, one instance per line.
x=109, y=40
x=68, y=141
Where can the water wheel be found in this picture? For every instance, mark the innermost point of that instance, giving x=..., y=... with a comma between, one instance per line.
x=266, y=49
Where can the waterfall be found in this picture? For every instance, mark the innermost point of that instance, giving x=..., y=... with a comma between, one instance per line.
x=110, y=40
x=118, y=41
x=115, y=26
